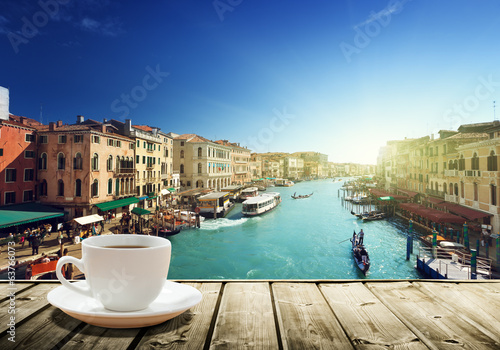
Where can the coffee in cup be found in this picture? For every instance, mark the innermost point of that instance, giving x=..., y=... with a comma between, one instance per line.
x=123, y=272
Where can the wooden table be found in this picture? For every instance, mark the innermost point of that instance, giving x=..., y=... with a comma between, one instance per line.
x=337, y=314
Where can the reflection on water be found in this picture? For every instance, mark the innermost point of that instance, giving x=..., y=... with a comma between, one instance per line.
x=301, y=239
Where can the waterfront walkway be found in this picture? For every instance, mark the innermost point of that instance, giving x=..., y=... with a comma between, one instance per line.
x=328, y=314
x=50, y=246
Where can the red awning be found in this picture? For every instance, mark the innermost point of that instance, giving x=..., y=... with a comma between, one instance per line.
x=409, y=193
x=380, y=193
x=432, y=214
x=434, y=200
x=468, y=213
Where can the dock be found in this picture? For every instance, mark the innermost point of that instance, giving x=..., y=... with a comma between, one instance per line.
x=451, y=264
x=283, y=314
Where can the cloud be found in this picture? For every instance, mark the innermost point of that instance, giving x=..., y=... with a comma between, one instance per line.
x=108, y=27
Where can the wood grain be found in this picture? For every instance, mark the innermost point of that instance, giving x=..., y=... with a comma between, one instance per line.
x=368, y=322
x=188, y=330
x=245, y=318
x=305, y=319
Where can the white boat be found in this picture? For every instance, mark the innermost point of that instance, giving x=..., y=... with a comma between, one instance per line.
x=261, y=204
x=289, y=184
x=249, y=193
x=187, y=216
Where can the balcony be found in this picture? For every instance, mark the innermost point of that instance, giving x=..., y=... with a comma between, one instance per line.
x=451, y=173
x=451, y=198
x=125, y=171
x=472, y=173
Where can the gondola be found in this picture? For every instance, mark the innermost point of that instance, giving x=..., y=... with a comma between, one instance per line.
x=302, y=196
x=167, y=233
x=358, y=251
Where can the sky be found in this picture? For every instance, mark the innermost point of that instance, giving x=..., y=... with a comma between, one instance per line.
x=338, y=77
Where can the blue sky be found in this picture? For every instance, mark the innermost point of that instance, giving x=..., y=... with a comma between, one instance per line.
x=339, y=77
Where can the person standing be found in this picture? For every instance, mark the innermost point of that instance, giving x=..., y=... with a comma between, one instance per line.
x=68, y=273
x=35, y=244
x=361, y=236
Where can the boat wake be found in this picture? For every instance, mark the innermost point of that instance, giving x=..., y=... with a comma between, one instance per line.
x=220, y=223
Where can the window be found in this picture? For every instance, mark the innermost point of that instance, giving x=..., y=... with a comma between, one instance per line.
x=110, y=142
x=475, y=162
x=143, y=159
x=62, y=139
x=29, y=154
x=30, y=138
x=182, y=153
x=1, y=152
x=475, y=192
x=78, y=139
x=462, y=189
x=78, y=161
x=96, y=139
x=182, y=168
x=43, y=188
x=94, y=189
x=138, y=143
x=110, y=163
x=10, y=175
x=61, y=161
x=95, y=162
x=110, y=186
x=44, y=139
x=10, y=197
x=461, y=163
x=28, y=196
x=60, y=188
x=29, y=174
x=199, y=168
x=493, y=191
x=199, y=151
x=118, y=143
x=78, y=188
x=492, y=162
x=182, y=143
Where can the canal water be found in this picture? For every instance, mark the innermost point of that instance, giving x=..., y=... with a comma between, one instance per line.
x=300, y=239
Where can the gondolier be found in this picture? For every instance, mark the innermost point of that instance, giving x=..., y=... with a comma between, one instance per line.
x=361, y=236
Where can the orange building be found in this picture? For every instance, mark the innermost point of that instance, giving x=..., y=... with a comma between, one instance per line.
x=17, y=160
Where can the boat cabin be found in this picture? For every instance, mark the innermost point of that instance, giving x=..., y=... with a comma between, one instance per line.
x=215, y=204
x=249, y=192
x=233, y=190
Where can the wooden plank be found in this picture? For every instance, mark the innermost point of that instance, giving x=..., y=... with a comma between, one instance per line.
x=96, y=338
x=44, y=331
x=245, y=318
x=368, y=323
x=305, y=319
x=26, y=302
x=473, y=307
x=188, y=330
x=435, y=325
x=6, y=289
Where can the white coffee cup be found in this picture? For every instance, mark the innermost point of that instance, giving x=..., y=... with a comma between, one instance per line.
x=120, y=275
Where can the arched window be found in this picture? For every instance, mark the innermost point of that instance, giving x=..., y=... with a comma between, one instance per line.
x=94, y=189
x=492, y=162
x=475, y=162
x=110, y=186
x=78, y=161
x=43, y=188
x=61, y=161
x=95, y=162
x=451, y=190
x=60, y=188
x=199, y=168
x=199, y=151
x=182, y=168
x=78, y=188
x=42, y=162
x=109, y=164
x=461, y=163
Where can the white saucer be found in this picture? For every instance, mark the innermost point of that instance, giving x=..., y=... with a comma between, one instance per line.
x=174, y=299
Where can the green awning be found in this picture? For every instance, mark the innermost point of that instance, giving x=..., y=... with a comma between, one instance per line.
x=140, y=211
x=117, y=203
x=171, y=189
x=389, y=198
x=26, y=213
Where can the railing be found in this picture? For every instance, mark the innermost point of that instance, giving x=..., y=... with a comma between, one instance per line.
x=451, y=173
x=451, y=198
x=125, y=171
x=474, y=173
x=483, y=265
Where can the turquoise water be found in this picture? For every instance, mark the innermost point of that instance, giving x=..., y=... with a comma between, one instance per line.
x=301, y=239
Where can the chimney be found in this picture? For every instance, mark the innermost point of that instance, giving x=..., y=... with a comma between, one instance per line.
x=154, y=131
x=104, y=120
x=79, y=119
x=24, y=120
x=128, y=127
x=4, y=103
x=103, y=128
x=59, y=123
x=52, y=126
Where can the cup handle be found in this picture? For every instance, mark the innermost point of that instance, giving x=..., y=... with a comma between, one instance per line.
x=79, y=263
